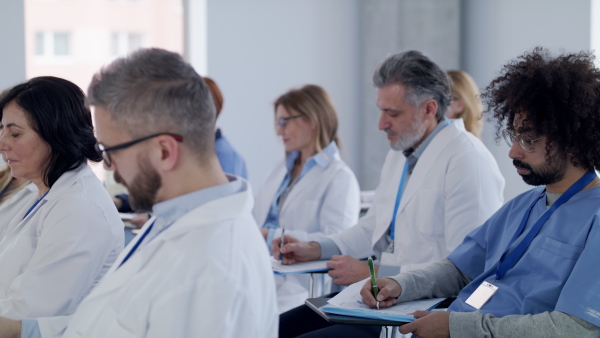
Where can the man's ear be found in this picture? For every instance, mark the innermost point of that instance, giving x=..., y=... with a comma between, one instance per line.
x=170, y=151
x=431, y=107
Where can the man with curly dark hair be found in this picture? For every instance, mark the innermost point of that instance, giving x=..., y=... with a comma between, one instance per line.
x=531, y=269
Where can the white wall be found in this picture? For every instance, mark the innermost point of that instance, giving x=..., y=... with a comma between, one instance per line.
x=495, y=32
x=259, y=49
x=12, y=35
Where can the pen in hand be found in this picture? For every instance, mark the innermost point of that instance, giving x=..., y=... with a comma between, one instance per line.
x=281, y=243
x=373, y=280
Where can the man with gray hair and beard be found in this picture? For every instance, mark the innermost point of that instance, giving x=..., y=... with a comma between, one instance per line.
x=437, y=184
x=198, y=268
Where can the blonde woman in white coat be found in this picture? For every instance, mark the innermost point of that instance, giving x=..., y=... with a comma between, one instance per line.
x=311, y=193
x=68, y=234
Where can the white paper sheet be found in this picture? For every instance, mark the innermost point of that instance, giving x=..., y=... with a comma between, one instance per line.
x=349, y=302
x=305, y=267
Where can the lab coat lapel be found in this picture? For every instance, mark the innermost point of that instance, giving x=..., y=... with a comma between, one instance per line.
x=117, y=274
x=386, y=198
x=207, y=214
x=272, y=184
x=307, y=181
x=426, y=163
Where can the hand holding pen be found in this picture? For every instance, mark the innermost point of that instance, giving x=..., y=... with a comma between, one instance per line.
x=389, y=291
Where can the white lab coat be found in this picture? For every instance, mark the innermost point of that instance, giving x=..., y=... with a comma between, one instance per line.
x=51, y=260
x=207, y=275
x=455, y=186
x=325, y=201
x=11, y=207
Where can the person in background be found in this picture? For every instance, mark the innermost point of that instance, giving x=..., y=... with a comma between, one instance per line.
x=437, y=184
x=465, y=102
x=231, y=161
x=537, y=257
x=57, y=247
x=311, y=193
x=14, y=195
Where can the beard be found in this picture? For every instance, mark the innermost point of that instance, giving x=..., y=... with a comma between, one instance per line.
x=550, y=172
x=143, y=187
x=410, y=136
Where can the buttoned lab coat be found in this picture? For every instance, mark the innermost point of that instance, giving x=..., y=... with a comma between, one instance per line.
x=13, y=206
x=455, y=187
x=50, y=260
x=325, y=201
x=207, y=275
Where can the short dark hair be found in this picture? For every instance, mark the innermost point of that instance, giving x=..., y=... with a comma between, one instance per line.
x=559, y=97
x=423, y=79
x=156, y=91
x=56, y=110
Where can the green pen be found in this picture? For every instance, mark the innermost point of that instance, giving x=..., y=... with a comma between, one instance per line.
x=373, y=280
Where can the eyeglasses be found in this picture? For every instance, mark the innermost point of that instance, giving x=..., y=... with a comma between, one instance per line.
x=525, y=141
x=282, y=121
x=104, y=151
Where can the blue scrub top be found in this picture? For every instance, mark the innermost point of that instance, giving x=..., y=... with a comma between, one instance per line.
x=560, y=269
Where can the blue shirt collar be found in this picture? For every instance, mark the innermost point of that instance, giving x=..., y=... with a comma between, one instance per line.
x=170, y=210
x=321, y=158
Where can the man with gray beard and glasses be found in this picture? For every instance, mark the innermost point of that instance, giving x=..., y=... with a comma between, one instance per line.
x=437, y=184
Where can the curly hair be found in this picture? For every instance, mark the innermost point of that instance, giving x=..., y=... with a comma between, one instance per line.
x=559, y=97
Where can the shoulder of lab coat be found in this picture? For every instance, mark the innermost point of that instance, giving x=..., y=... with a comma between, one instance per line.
x=325, y=201
x=65, y=245
x=455, y=186
x=208, y=274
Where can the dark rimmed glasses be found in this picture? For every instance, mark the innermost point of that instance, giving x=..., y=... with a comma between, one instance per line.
x=525, y=141
x=104, y=151
x=282, y=121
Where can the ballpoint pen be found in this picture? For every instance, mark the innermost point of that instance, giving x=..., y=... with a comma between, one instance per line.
x=281, y=243
x=373, y=281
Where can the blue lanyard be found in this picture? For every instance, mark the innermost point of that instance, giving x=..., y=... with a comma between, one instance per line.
x=137, y=244
x=398, y=198
x=507, y=261
x=36, y=203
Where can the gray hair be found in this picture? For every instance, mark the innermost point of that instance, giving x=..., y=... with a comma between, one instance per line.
x=156, y=91
x=422, y=78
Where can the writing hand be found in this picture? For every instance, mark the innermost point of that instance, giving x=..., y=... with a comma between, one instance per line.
x=389, y=290
x=295, y=251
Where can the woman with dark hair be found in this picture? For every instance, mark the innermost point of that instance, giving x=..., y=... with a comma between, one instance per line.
x=60, y=244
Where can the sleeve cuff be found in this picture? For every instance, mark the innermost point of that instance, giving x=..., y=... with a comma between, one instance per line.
x=30, y=329
x=388, y=271
x=328, y=248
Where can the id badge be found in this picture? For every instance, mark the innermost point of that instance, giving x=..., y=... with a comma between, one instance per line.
x=484, y=292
